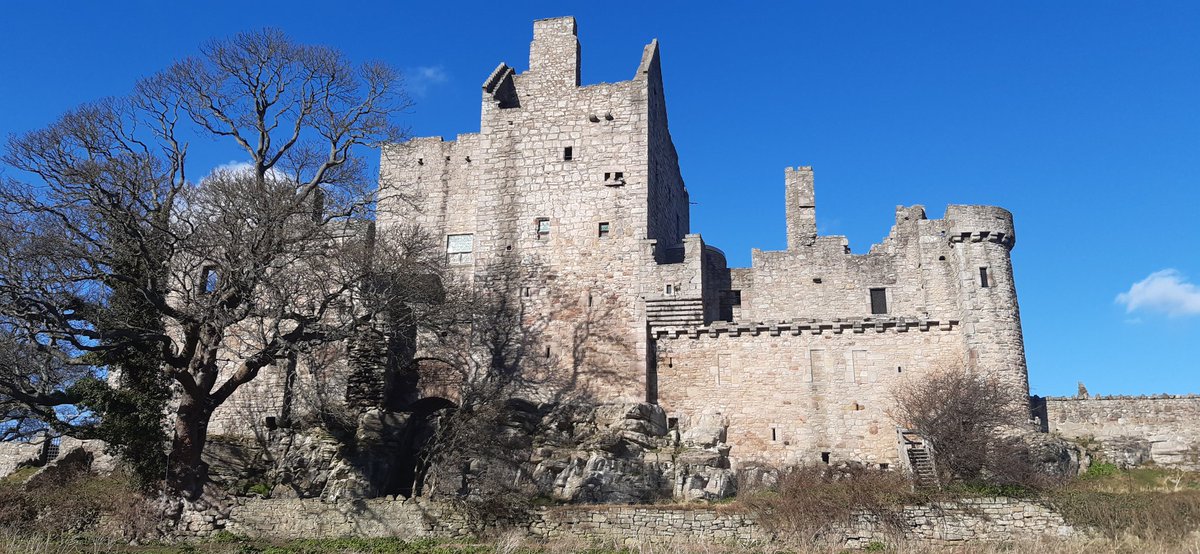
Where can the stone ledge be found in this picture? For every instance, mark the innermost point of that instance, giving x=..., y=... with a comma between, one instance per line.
x=797, y=327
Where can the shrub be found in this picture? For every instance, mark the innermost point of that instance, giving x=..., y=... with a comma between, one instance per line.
x=969, y=419
x=75, y=503
x=1147, y=515
x=812, y=500
x=1100, y=469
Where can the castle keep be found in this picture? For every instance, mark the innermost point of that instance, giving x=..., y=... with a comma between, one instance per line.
x=570, y=199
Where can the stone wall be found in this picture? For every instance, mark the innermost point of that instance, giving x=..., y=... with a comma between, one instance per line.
x=990, y=519
x=791, y=391
x=1162, y=429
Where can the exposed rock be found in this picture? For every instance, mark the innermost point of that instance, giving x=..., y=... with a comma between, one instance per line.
x=1126, y=452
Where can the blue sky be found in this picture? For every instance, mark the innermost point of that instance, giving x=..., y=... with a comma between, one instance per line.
x=1082, y=118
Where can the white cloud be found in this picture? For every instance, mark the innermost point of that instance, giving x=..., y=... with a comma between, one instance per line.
x=421, y=79
x=240, y=167
x=1165, y=291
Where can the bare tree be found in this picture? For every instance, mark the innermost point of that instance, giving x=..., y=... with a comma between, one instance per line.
x=970, y=419
x=244, y=266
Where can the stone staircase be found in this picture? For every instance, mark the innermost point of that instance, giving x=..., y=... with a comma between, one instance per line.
x=920, y=459
x=675, y=312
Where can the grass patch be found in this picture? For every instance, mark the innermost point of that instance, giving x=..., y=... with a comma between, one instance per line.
x=1147, y=515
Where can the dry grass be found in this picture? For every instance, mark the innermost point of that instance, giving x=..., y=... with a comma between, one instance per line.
x=811, y=500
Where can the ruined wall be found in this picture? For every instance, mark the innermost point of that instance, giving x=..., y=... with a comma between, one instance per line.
x=790, y=390
x=13, y=454
x=1168, y=427
x=953, y=269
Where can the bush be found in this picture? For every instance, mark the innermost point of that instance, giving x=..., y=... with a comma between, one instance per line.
x=812, y=500
x=970, y=421
x=1147, y=515
x=1099, y=470
x=73, y=504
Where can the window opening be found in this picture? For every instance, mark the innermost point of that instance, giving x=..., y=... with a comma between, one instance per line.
x=209, y=279
x=983, y=277
x=459, y=248
x=824, y=457
x=568, y=154
x=53, y=448
x=603, y=229
x=542, y=224
x=547, y=351
x=614, y=178
x=670, y=289
x=672, y=423
x=774, y=434
x=884, y=466
x=879, y=301
x=525, y=292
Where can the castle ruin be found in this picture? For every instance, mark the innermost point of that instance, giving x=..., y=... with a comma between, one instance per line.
x=579, y=189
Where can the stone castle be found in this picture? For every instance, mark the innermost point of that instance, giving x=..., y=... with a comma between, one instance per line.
x=570, y=202
x=579, y=188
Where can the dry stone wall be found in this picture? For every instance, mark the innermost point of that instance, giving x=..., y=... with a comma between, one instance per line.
x=1162, y=429
x=979, y=520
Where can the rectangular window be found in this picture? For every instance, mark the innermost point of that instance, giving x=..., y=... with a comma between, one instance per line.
x=879, y=301
x=603, y=229
x=459, y=248
x=774, y=434
x=568, y=154
x=983, y=277
x=670, y=290
x=542, y=224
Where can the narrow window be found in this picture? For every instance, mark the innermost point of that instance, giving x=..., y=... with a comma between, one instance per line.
x=547, y=352
x=603, y=229
x=983, y=277
x=420, y=161
x=542, y=224
x=459, y=248
x=879, y=301
x=824, y=457
x=589, y=300
x=672, y=423
x=525, y=292
x=568, y=154
x=619, y=176
x=774, y=434
x=670, y=289
x=884, y=467
x=209, y=279
x=272, y=423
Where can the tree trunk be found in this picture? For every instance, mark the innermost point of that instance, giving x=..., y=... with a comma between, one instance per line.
x=188, y=472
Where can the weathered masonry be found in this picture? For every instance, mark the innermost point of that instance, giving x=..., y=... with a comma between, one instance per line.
x=570, y=199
